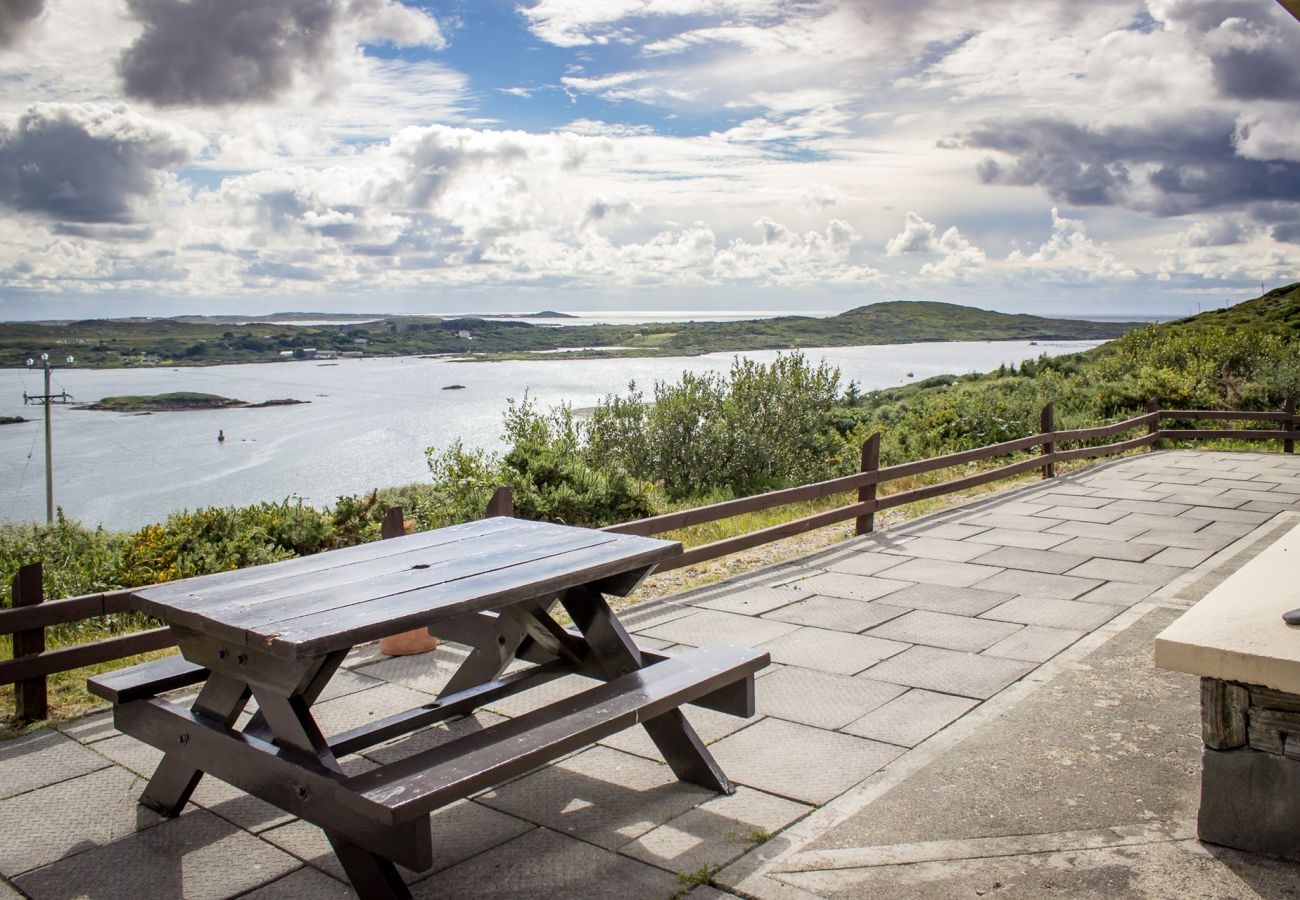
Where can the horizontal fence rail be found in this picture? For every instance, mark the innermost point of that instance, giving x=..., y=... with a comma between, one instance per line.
x=31, y=614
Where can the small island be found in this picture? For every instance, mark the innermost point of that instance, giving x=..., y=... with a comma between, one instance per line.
x=178, y=401
x=12, y=420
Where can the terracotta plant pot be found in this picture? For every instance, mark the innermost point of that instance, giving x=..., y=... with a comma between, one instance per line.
x=408, y=643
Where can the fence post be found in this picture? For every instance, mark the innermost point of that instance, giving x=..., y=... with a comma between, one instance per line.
x=870, y=463
x=1153, y=426
x=1288, y=445
x=417, y=640
x=30, y=697
x=1047, y=426
x=501, y=504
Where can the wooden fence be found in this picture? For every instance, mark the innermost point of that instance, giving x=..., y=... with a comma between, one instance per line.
x=31, y=614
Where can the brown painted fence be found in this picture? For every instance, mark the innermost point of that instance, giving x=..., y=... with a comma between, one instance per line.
x=31, y=615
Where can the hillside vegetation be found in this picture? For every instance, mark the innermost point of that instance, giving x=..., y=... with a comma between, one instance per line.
x=104, y=343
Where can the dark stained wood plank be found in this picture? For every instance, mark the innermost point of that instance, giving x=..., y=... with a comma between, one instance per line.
x=69, y=609
x=767, y=535
x=173, y=593
x=146, y=679
x=432, y=563
x=67, y=658
x=1224, y=415
x=418, y=784
x=362, y=622
x=1224, y=706
x=1236, y=434
x=487, y=557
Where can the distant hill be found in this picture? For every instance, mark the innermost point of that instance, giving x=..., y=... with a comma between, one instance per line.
x=1279, y=308
x=216, y=340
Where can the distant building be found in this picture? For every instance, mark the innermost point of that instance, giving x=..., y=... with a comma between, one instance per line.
x=361, y=342
x=465, y=335
x=286, y=354
x=309, y=352
x=326, y=354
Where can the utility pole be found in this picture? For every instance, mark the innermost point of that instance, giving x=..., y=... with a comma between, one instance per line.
x=47, y=398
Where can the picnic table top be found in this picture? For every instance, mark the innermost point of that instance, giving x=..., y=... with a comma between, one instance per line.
x=312, y=605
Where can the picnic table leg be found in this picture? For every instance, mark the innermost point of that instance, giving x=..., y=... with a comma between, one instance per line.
x=371, y=876
x=618, y=655
x=222, y=698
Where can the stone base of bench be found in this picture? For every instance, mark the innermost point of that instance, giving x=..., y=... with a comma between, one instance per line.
x=1250, y=771
x=1250, y=801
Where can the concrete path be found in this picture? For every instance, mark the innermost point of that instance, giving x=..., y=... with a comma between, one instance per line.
x=962, y=706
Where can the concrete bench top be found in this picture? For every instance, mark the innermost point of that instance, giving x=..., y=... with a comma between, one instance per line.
x=1236, y=632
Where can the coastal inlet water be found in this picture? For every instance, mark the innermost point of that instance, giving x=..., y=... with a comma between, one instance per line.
x=367, y=425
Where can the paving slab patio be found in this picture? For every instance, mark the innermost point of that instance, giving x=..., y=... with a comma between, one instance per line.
x=877, y=764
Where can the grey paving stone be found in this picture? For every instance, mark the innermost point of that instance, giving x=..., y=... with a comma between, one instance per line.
x=1192, y=540
x=863, y=563
x=710, y=625
x=349, y=681
x=949, y=671
x=196, y=856
x=943, y=630
x=1079, y=501
x=1160, y=508
x=836, y=613
x=543, y=695
x=820, y=699
x=305, y=883
x=543, y=863
x=1102, y=515
x=1108, y=549
x=850, y=587
x=910, y=718
x=715, y=832
x=459, y=831
x=1130, y=491
x=353, y=710
x=1016, y=523
x=709, y=724
x=951, y=530
x=1035, y=643
x=1207, y=497
x=1231, y=529
x=830, y=651
x=130, y=753
x=958, y=601
x=1171, y=477
x=41, y=758
x=1011, y=537
x=1118, y=593
x=600, y=795
x=1040, y=584
x=1119, y=570
x=807, y=764
x=1162, y=523
x=1243, y=494
x=1006, y=506
x=655, y=612
x=1112, y=532
x=1183, y=557
x=1212, y=514
x=1271, y=509
x=938, y=571
x=88, y=729
x=1053, y=561
x=753, y=601
x=938, y=548
x=52, y=822
x=433, y=736
x=426, y=672
x=1071, y=614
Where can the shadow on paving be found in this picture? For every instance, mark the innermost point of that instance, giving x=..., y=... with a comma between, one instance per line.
x=1087, y=788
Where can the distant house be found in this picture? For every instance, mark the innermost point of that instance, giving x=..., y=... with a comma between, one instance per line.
x=464, y=335
x=326, y=354
x=309, y=352
x=351, y=354
x=286, y=354
x=361, y=342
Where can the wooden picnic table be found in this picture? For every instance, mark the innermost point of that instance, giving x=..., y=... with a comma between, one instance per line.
x=279, y=632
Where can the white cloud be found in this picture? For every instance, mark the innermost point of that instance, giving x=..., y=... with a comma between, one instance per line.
x=1071, y=254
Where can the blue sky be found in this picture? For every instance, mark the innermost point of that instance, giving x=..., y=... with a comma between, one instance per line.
x=164, y=157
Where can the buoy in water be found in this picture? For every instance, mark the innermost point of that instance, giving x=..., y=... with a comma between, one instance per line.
x=221, y=437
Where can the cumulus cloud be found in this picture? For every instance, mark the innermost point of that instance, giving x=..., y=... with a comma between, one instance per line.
x=87, y=163
x=959, y=256
x=1213, y=233
x=1071, y=253
x=1253, y=48
x=15, y=16
x=218, y=52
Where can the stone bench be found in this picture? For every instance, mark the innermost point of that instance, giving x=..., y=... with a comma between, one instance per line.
x=1249, y=663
